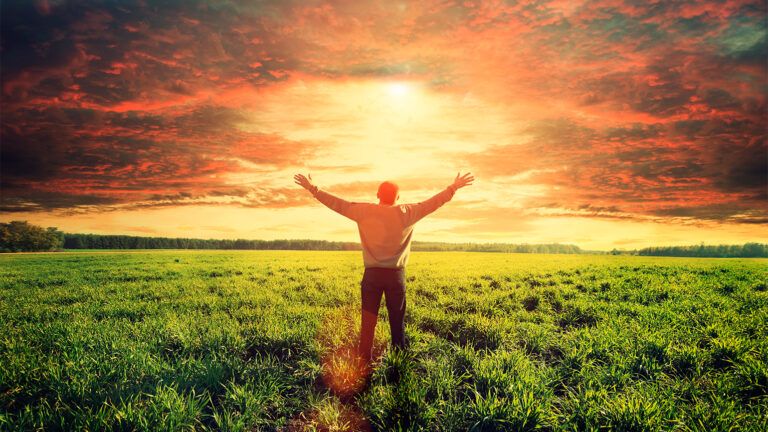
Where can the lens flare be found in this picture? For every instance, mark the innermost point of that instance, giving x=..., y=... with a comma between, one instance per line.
x=344, y=372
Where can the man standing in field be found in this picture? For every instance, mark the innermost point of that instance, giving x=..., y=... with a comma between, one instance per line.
x=385, y=230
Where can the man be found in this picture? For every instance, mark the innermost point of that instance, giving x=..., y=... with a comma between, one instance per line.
x=385, y=234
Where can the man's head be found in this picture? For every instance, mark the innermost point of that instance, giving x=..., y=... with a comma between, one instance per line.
x=388, y=193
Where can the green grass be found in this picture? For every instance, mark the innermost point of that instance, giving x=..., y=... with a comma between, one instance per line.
x=258, y=340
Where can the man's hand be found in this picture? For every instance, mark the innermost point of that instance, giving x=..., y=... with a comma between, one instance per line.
x=462, y=180
x=305, y=182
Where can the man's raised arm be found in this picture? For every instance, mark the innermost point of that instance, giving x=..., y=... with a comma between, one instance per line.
x=340, y=206
x=416, y=212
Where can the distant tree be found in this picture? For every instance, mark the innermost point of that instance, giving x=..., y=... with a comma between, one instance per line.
x=20, y=236
x=753, y=250
x=94, y=241
x=748, y=250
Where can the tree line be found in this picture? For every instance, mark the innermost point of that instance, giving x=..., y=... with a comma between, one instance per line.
x=747, y=250
x=20, y=236
x=97, y=241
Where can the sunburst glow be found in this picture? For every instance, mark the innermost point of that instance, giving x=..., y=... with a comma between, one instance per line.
x=398, y=90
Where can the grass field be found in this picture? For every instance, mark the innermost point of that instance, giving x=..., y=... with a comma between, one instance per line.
x=182, y=340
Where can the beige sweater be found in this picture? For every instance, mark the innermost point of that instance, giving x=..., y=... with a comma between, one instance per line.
x=385, y=230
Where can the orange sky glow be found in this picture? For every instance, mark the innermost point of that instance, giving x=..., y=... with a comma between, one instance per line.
x=605, y=124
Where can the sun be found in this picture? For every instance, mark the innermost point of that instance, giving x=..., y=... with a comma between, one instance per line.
x=398, y=89
x=385, y=128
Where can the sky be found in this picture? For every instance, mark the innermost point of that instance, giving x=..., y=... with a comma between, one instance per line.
x=605, y=124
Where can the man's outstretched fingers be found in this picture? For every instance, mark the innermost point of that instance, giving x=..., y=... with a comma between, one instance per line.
x=464, y=180
x=303, y=181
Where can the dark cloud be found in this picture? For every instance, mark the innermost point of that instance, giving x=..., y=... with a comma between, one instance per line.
x=720, y=99
x=744, y=168
x=745, y=40
x=634, y=131
x=105, y=53
x=707, y=170
x=91, y=157
x=32, y=200
x=734, y=212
